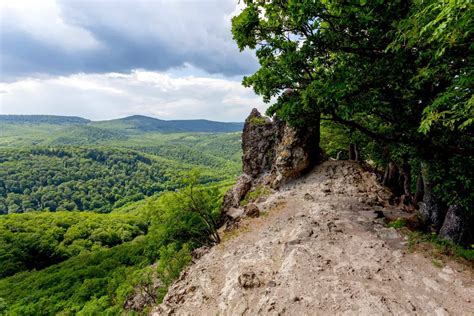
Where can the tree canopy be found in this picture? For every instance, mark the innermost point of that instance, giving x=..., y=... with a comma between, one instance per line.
x=397, y=73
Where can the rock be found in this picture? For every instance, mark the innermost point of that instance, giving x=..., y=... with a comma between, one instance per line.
x=235, y=213
x=258, y=140
x=249, y=280
x=233, y=197
x=199, y=252
x=252, y=210
x=297, y=151
x=273, y=154
x=457, y=226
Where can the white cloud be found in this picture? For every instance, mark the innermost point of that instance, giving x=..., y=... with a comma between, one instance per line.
x=111, y=95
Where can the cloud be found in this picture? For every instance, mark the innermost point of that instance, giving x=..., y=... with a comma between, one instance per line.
x=70, y=36
x=112, y=95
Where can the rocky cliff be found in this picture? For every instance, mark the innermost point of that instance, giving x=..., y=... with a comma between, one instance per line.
x=273, y=153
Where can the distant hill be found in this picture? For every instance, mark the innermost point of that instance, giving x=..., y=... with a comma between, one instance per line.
x=42, y=119
x=142, y=123
x=135, y=123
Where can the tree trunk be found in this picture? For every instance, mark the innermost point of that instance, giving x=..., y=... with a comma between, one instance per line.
x=391, y=179
x=457, y=226
x=352, y=151
x=419, y=189
x=430, y=209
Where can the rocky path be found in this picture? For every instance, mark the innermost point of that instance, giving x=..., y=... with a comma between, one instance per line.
x=319, y=249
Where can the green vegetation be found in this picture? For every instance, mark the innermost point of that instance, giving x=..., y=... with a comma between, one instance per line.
x=37, y=240
x=160, y=184
x=393, y=77
x=440, y=247
x=100, y=278
x=253, y=195
x=398, y=223
x=103, y=177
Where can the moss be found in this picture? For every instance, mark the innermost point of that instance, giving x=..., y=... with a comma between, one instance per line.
x=258, y=121
x=253, y=195
x=398, y=223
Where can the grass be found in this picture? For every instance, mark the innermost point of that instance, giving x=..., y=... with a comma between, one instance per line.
x=253, y=195
x=439, y=247
x=398, y=223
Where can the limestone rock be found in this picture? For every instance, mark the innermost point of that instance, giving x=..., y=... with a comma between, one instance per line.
x=273, y=154
x=258, y=140
x=297, y=151
x=233, y=197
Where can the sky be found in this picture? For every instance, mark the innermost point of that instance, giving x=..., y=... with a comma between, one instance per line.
x=104, y=59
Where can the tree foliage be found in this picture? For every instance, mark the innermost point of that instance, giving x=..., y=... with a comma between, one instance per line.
x=397, y=75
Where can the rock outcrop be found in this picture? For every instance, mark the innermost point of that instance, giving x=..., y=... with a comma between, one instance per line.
x=273, y=153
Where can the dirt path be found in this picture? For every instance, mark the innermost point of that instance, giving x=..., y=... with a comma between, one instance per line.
x=319, y=249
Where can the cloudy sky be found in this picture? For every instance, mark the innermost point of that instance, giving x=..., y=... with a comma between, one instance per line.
x=104, y=59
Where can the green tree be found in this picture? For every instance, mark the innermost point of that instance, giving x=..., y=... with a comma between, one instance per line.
x=397, y=72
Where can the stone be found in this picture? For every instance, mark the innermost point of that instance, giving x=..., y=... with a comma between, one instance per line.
x=236, y=194
x=252, y=210
x=273, y=153
x=235, y=213
x=457, y=227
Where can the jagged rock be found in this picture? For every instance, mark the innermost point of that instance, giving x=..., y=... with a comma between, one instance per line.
x=273, y=153
x=252, y=210
x=258, y=140
x=235, y=213
x=233, y=197
x=456, y=226
x=297, y=151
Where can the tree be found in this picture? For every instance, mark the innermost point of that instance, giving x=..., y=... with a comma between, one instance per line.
x=379, y=68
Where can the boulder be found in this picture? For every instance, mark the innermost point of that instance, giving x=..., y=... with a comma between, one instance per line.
x=273, y=153
x=233, y=197
x=457, y=227
x=295, y=153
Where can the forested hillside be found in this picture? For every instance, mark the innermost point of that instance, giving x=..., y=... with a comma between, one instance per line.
x=64, y=163
x=56, y=173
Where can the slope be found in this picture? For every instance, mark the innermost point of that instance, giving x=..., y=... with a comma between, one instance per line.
x=320, y=248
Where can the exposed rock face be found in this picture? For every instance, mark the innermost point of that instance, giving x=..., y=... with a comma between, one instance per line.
x=273, y=153
x=233, y=197
x=258, y=141
x=296, y=152
x=457, y=227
